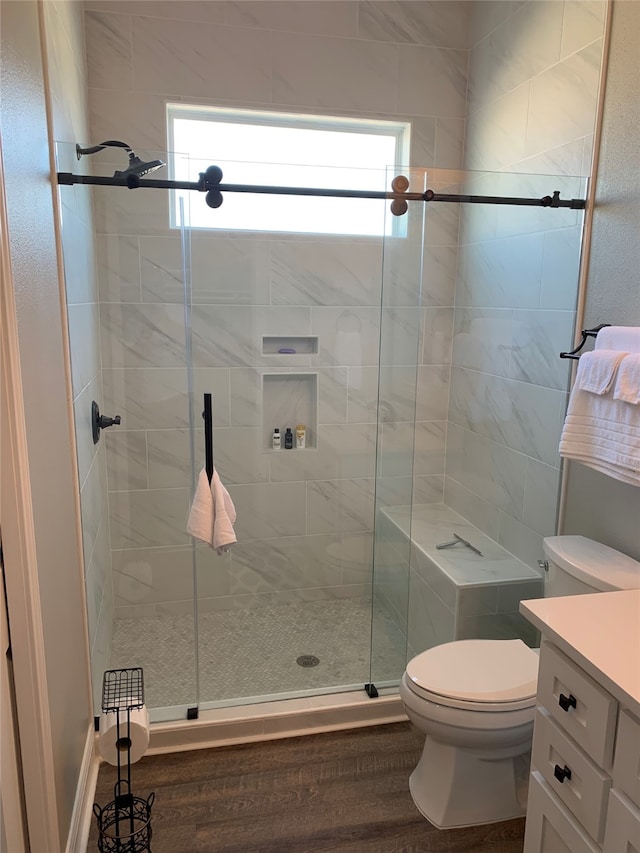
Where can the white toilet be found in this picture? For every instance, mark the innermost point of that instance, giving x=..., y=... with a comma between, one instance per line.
x=475, y=700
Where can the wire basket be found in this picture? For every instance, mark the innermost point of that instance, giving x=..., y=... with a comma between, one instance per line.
x=122, y=689
x=124, y=825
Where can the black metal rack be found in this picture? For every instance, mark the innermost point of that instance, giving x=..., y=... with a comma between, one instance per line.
x=124, y=824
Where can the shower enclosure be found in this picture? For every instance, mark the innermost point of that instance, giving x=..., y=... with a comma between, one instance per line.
x=422, y=359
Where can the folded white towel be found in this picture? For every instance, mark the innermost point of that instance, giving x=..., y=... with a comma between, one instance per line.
x=597, y=370
x=604, y=434
x=212, y=513
x=623, y=338
x=627, y=386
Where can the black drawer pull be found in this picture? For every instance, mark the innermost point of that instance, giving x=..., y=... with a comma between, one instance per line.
x=561, y=773
x=567, y=702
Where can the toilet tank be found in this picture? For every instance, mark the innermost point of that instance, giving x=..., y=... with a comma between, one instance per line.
x=578, y=565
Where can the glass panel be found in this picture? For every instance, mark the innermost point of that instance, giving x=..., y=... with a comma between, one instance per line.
x=124, y=271
x=399, y=469
x=286, y=331
x=499, y=298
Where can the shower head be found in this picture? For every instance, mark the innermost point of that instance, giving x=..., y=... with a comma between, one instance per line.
x=136, y=168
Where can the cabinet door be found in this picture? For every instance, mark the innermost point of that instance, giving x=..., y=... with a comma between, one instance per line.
x=573, y=777
x=583, y=708
x=623, y=825
x=626, y=762
x=550, y=828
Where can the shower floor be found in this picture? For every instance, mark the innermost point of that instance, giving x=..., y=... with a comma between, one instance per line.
x=252, y=653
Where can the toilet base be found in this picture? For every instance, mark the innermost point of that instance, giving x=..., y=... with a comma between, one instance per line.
x=456, y=787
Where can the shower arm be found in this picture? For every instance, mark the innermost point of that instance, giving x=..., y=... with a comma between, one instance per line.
x=210, y=182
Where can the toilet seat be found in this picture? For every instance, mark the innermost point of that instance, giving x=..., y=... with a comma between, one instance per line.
x=482, y=675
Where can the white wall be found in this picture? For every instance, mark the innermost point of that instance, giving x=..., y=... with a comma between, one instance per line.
x=41, y=322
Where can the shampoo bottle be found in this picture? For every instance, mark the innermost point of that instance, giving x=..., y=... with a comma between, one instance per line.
x=288, y=439
x=277, y=440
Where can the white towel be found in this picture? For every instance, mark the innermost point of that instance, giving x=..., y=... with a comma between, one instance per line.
x=623, y=338
x=597, y=370
x=627, y=387
x=212, y=513
x=604, y=434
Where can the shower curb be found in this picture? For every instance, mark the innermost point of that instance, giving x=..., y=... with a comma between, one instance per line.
x=275, y=720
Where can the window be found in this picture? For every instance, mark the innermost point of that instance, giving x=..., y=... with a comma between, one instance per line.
x=280, y=149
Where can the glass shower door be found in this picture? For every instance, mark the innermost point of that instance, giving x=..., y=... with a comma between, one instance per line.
x=286, y=328
x=125, y=274
x=406, y=423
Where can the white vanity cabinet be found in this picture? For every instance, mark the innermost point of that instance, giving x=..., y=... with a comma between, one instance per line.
x=584, y=791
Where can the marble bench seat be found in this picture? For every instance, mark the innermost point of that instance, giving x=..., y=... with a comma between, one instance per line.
x=453, y=593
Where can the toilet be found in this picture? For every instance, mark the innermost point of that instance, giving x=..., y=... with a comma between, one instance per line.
x=475, y=700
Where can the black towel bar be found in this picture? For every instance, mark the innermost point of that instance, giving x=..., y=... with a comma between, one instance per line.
x=586, y=333
x=208, y=435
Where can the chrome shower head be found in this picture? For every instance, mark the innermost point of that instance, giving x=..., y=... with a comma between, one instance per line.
x=136, y=169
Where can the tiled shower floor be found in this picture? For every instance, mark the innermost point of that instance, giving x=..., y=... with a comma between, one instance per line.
x=252, y=653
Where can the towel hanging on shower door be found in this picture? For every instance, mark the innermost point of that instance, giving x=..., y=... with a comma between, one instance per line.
x=212, y=513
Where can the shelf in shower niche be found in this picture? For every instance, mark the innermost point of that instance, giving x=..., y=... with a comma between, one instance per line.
x=289, y=345
x=289, y=399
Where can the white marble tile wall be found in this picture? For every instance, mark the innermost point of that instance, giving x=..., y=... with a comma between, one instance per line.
x=533, y=82
x=305, y=519
x=64, y=32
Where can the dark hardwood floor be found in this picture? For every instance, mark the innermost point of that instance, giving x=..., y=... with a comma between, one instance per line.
x=346, y=792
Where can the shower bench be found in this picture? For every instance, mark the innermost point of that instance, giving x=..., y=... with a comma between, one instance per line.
x=453, y=593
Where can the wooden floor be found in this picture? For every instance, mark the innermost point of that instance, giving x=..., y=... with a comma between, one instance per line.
x=337, y=791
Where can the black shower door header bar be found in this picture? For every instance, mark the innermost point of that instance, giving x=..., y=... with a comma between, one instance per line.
x=214, y=189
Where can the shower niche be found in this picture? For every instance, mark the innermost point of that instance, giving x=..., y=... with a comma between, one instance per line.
x=289, y=399
x=289, y=345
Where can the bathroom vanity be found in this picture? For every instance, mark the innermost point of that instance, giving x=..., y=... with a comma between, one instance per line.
x=584, y=792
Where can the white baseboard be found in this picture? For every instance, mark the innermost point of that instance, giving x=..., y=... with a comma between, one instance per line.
x=273, y=720
x=85, y=793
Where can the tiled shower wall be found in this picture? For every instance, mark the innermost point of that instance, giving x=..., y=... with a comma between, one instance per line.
x=304, y=518
x=64, y=30
x=534, y=74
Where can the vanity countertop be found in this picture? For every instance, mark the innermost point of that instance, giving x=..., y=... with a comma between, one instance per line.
x=601, y=632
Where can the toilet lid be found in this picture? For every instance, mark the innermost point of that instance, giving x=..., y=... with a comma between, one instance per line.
x=477, y=670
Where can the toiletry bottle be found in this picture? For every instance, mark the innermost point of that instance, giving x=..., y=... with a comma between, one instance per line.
x=288, y=439
x=277, y=440
x=300, y=436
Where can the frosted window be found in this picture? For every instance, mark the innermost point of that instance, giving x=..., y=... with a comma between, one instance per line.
x=277, y=149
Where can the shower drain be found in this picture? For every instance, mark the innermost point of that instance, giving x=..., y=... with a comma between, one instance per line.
x=307, y=660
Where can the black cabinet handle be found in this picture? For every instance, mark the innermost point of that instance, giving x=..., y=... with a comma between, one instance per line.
x=567, y=702
x=561, y=773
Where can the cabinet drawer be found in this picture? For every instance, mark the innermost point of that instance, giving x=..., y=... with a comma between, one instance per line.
x=626, y=759
x=584, y=788
x=580, y=706
x=550, y=828
x=623, y=826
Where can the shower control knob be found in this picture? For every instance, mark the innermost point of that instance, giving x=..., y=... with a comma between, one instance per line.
x=107, y=422
x=99, y=421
